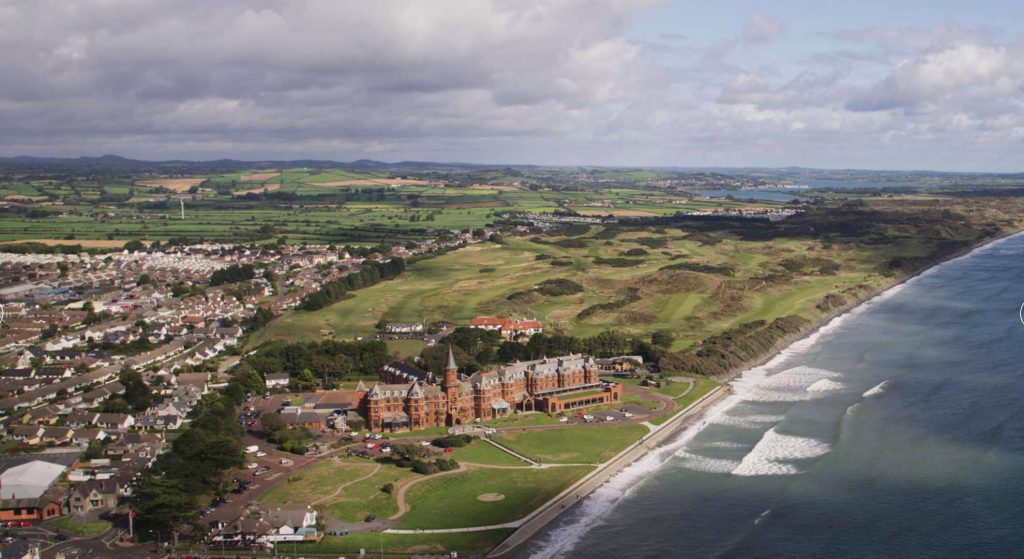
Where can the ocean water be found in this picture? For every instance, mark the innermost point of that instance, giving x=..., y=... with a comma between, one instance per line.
x=897, y=430
x=773, y=195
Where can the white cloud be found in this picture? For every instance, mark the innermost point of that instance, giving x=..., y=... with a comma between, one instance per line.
x=548, y=81
x=760, y=28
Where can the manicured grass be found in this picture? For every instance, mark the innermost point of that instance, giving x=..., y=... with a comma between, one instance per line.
x=692, y=305
x=316, y=481
x=75, y=526
x=426, y=432
x=451, y=501
x=581, y=445
x=701, y=387
x=668, y=387
x=523, y=420
x=418, y=544
x=366, y=497
x=481, y=452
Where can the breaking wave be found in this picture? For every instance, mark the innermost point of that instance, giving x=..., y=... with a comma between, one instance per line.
x=792, y=385
x=700, y=463
x=877, y=389
x=771, y=454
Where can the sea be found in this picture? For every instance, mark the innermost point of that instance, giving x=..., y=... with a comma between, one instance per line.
x=896, y=430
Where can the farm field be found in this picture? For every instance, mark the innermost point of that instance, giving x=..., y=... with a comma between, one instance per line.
x=302, y=205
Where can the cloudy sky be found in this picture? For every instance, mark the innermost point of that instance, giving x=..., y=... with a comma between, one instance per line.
x=913, y=84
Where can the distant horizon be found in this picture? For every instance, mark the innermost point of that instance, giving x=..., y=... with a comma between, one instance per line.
x=397, y=162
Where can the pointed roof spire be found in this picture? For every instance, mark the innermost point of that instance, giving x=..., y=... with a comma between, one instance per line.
x=451, y=360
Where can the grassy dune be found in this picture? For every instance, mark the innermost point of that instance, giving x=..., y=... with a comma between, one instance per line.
x=693, y=305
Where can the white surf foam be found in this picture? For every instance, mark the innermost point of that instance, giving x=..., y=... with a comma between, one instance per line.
x=791, y=385
x=880, y=388
x=771, y=454
x=826, y=385
x=707, y=464
x=747, y=421
x=591, y=511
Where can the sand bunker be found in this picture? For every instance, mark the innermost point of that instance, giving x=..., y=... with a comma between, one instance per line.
x=490, y=497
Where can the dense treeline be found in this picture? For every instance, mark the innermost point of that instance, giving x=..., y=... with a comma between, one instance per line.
x=195, y=468
x=334, y=291
x=328, y=359
x=233, y=274
x=476, y=349
x=719, y=355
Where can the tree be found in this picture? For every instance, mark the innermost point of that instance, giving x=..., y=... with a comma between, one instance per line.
x=134, y=246
x=144, y=279
x=663, y=338
x=272, y=423
x=136, y=391
x=304, y=381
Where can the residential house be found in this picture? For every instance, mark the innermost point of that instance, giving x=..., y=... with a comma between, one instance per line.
x=276, y=380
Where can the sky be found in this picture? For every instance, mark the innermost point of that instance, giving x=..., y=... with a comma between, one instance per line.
x=727, y=83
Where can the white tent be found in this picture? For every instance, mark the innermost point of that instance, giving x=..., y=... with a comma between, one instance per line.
x=29, y=480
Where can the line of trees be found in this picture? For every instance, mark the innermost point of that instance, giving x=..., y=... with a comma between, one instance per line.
x=334, y=291
x=232, y=274
x=327, y=359
x=197, y=464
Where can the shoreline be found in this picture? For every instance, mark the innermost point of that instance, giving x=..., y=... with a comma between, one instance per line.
x=846, y=309
x=588, y=484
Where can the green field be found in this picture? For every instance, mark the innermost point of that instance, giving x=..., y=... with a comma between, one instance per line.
x=316, y=481
x=452, y=500
x=77, y=526
x=367, y=497
x=582, y=445
x=403, y=544
x=701, y=387
x=691, y=304
x=480, y=452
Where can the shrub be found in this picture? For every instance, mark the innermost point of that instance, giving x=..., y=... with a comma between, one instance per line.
x=556, y=287
x=452, y=441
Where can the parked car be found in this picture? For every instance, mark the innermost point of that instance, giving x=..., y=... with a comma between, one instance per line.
x=563, y=419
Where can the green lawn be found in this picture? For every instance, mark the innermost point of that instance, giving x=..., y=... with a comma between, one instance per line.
x=701, y=387
x=522, y=420
x=366, y=497
x=314, y=482
x=582, y=445
x=411, y=544
x=75, y=526
x=481, y=452
x=668, y=387
x=451, y=501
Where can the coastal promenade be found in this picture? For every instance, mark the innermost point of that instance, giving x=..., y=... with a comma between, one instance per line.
x=535, y=521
